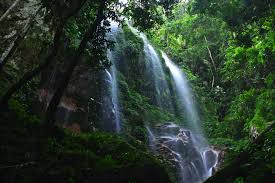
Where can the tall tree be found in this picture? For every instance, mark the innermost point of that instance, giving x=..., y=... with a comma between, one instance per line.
x=235, y=13
x=8, y=53
x=145, y=14
x=89, y=35
x=9, y=10
x=60, y=22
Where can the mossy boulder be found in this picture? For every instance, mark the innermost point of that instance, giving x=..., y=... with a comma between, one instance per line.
x=29, y=153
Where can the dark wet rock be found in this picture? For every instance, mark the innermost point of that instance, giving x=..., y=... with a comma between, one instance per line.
x=211, y=158
x=184, y=150
x=86, y=101
x=167, y=128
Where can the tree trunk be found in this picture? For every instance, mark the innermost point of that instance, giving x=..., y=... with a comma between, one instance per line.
x=30, y=74
x=89, y=35
x=212, y=73
x=210, y=54
x=234, y=168
x=17, y=41
x=9, y=10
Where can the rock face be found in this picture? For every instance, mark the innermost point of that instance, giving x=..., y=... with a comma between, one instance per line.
x=83, y=101
x=211, y=160
x=185, y=150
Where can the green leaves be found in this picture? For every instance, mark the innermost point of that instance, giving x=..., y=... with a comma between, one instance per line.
x=249, y=62
x=184, y=39
x=265, y=110
x=241, y=112
x=234, y=12
x=148, y=14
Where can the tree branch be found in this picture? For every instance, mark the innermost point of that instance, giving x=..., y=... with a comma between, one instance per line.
x=213, y=75
x=210, y=54
x=9, y=10
x=17, y=41
x=89, y=35
x=18, y=165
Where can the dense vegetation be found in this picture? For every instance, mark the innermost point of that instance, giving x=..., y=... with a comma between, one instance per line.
x=226, y=49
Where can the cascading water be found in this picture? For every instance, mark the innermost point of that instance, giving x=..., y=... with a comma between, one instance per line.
x=112, y=82
x=183, y=149
x=114, y=92
x=155, y=69
x=185, y=94
x=187, y=149
x=202, y=165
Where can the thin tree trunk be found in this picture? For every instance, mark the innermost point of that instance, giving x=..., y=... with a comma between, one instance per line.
x=49, y=59
x=30, y=74
x=89, y=35
x=213, y=75
x=9, y=10
x=210, y=54
x=233, y=169
x=17, y=41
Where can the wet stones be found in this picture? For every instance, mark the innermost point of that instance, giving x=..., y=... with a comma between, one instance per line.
x=211, y=157
x=185, y=150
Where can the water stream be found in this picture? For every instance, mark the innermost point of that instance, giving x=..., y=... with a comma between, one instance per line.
x=155, y=70
x=203, y=159
x=193, y=161
x=185, y=94
x=114, y=102
x=112, y=83
x=185, y=147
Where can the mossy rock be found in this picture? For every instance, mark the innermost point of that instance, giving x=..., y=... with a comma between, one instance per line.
x=29, y=154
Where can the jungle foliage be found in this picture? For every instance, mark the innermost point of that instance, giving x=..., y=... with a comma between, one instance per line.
x=228, y=47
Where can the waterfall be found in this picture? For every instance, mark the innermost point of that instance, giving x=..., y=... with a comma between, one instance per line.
x=114, y=92
x=155, y=70
x=182, y=148
x=185, y=94
x=112, y=83
x=201, y=167
x=186, y=148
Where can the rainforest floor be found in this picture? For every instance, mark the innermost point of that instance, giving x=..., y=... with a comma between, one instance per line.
x=29, y=153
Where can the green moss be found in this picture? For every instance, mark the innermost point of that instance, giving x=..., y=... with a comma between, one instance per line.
x=20, y=112
x=239, y=180
x=265, y=110
x=66, y=157
x=137, y=108
x=241, y=112
x=132, y=38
